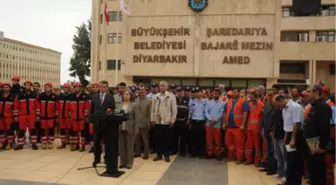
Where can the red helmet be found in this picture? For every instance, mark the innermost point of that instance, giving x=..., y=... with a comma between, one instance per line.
x=28, y=81
x=5, y=83
x=326, y=90
x=48, y=84
x=96, y=83
x=66, y=85
x=17, y=78
x=77, y=84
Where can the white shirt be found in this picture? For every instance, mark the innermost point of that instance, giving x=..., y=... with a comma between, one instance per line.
x=102, y=97
x=292, y=113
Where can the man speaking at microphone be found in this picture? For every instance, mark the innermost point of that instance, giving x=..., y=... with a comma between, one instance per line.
x=101, y=102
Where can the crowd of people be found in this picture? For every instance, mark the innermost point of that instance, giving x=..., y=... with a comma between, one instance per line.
x=288, y=134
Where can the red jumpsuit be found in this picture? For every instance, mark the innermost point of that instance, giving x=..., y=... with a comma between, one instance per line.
x=79, y=105
x=63, y=108
x=8, y=110
x=234, y=137
x=28, y=110
x=253, y=132
x=47, y=106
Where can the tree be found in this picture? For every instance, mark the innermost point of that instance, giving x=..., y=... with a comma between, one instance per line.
x=80, y=63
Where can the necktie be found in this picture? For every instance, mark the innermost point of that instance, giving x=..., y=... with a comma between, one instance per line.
x=101, y=98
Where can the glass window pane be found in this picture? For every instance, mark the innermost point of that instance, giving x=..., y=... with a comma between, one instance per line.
x=225, y=82
x=189, y=82
x=239, y=83
x=255, y=83
x=205, y=82
x=173, y=81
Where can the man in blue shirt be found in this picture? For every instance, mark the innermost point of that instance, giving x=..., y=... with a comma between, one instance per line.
x=214, y=113
x=197, y=119
x=234, y=121
x=154, y=90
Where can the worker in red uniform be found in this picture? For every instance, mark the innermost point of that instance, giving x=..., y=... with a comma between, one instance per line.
x=79, y=105
x=47, y=105
x=8, y=115
x=63, y=108
x=234, y=121
x=253, y=130
x=29, y=113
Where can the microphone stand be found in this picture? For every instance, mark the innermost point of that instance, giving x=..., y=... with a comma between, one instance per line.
x=95, y=167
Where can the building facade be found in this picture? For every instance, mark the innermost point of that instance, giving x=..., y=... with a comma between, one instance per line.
x=234, y=42
x=28, y=61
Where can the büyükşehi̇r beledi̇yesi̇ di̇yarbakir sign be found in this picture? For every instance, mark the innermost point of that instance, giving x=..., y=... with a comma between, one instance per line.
x=204, y=45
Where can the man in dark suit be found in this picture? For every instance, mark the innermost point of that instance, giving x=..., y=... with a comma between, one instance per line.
x=99, y=104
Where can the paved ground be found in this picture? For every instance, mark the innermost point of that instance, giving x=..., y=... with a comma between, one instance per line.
x=186, y=171
x=59, y=167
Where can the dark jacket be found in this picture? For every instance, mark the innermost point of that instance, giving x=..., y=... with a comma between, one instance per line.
x=267, y=116
x=317, y=123
x=182, y=108
x=98, y=110
x=278, y=124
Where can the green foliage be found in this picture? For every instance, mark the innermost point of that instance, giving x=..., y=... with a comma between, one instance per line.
x=80, y=61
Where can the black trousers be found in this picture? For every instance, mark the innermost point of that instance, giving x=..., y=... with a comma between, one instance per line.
x=271, y=161
x=152, y=144
x=198, y=138
x=180, y=137
x=316, y=169
x=110, y=133
x=162, y=133
x=295, y=160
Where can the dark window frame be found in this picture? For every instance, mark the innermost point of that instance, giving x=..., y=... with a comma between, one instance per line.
x=111, y=38
x=299, y=35
x=325, y=36
x=115, y=16
x=290, y=68
x=332, y=69
x=110, y=64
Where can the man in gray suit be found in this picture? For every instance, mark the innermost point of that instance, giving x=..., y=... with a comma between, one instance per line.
x=142, y=116
x=99, y=104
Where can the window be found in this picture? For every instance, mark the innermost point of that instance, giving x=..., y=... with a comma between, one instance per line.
x=293, y=68
x=101, y=18
x=328, y=11
x=99, y=65
x=206, y=82
x=239, y=83
x=112, y=38
x=100, y=39
x=294, y=36
x=115, y=16
x=332, y=69
x=325, y=36
x=111, y=64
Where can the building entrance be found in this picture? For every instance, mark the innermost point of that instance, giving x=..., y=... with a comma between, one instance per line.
x=202, y=82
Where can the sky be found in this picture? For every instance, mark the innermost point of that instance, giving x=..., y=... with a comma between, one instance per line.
x=46, y=23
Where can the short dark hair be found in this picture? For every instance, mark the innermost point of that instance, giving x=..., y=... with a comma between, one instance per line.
x=123, y=84
x=253, y=93
x=279, y=97
x=104, y=82
x=217, y=90
x=141, y=85
x=38, y=84
x=317, y=88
